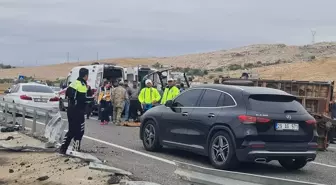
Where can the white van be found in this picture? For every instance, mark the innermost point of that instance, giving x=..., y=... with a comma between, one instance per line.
x=137, y=73
x=97, y=72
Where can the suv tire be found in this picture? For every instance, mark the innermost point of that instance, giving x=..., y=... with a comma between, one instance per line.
x=293, y=164
x=222, y=152
x=150, y=136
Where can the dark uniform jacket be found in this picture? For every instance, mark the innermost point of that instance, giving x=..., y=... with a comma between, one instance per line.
x=77, y=94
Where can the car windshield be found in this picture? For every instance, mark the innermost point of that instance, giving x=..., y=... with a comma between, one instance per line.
x=275, y=104
x=37, y=89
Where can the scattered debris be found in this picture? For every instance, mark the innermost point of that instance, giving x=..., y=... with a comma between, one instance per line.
x=114, y=179
x=84, y=156
x=9, y=138
x=11, y=171
x=43, y=178
x=102, y=167
x=137, y=183
x=22, y=163
x=66, y=160
x=90, y=178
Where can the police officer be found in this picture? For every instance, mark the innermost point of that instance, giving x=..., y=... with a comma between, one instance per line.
x=77, y=98
x=148, y=96
x=170, y=92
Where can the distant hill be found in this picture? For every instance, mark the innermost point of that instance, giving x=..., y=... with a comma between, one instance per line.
x=261, y=54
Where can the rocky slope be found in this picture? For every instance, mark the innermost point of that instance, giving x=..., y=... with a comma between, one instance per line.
x=261, y=53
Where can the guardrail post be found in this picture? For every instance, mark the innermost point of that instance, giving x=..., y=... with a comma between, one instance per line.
x=34, y=121
x=14, y=114
x=24, y=118
x=47, y=118
x=6, y=112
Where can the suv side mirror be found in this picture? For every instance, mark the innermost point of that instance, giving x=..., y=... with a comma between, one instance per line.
x=7, y=91
x=169, y=103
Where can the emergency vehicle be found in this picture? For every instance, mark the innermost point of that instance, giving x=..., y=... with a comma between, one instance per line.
x=160, y=78
x=97, y=73
x=138, y=73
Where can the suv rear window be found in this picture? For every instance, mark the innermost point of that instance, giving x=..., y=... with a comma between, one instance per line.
x=37, y=88
x=275, y=104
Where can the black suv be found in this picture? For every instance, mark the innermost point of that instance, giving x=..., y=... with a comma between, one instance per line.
x=232, y=124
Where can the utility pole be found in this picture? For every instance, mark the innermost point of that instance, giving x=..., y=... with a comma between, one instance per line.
x=97, y=56
x=68, y=56
x=313, y=32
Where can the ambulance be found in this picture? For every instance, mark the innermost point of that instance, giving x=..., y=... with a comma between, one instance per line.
x=97, y=73
x=137, y=73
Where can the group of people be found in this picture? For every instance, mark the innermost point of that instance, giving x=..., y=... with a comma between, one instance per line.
x=114, y=97
x=118, y=97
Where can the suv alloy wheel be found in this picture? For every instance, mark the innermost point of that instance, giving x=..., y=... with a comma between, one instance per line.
x=222, y=153
x=150, y=136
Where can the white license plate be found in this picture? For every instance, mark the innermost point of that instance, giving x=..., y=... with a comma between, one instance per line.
x=65, y=104
x=287, y=126
x=40, y=100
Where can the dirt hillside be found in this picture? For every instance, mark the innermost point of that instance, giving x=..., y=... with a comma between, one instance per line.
x=262, y=53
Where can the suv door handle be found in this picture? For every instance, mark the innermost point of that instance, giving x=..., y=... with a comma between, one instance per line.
x=211, y=115
x=185, y=114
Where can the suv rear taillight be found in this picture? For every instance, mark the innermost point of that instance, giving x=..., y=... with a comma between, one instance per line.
x=245, y=119
x=25, y=97
x=311, y=122
x=54, y=99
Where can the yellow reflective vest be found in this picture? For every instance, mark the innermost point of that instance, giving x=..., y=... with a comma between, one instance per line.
x=169, y=94
x=148, y=95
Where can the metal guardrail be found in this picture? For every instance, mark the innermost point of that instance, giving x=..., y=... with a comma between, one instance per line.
x=198, y=175
x=19, y=110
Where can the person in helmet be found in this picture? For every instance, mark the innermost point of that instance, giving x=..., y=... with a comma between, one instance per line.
x=149, y=96
x=170, y=92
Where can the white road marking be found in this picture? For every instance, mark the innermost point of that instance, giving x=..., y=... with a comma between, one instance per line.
x=173, y=163
x=120, y=147
x=152, y=156
x=322, y=164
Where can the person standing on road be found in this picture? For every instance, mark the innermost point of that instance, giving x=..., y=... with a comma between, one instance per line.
x=149, y=96
x=77, y=98
x=134, y=102
x=119, y=96
x=170, y=92
x=127, y=102
x=105, y=103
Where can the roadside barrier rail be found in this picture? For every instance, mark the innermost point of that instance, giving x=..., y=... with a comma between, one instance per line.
x=51, y=117
x=198, y=175
x=19, y=110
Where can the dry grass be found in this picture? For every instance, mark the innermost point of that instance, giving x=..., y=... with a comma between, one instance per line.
x=323, y=70
x=264, y=53
x=4, y=87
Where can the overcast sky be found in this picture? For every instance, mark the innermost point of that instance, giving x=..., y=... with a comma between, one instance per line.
x=43, y=31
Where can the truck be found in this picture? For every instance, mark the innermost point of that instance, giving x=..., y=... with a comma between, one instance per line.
x=315, y=96
x=97, y=73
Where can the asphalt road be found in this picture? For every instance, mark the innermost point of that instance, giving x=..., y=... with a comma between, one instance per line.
x=122, y=148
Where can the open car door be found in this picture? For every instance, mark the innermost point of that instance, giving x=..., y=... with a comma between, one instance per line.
x=160, y=78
